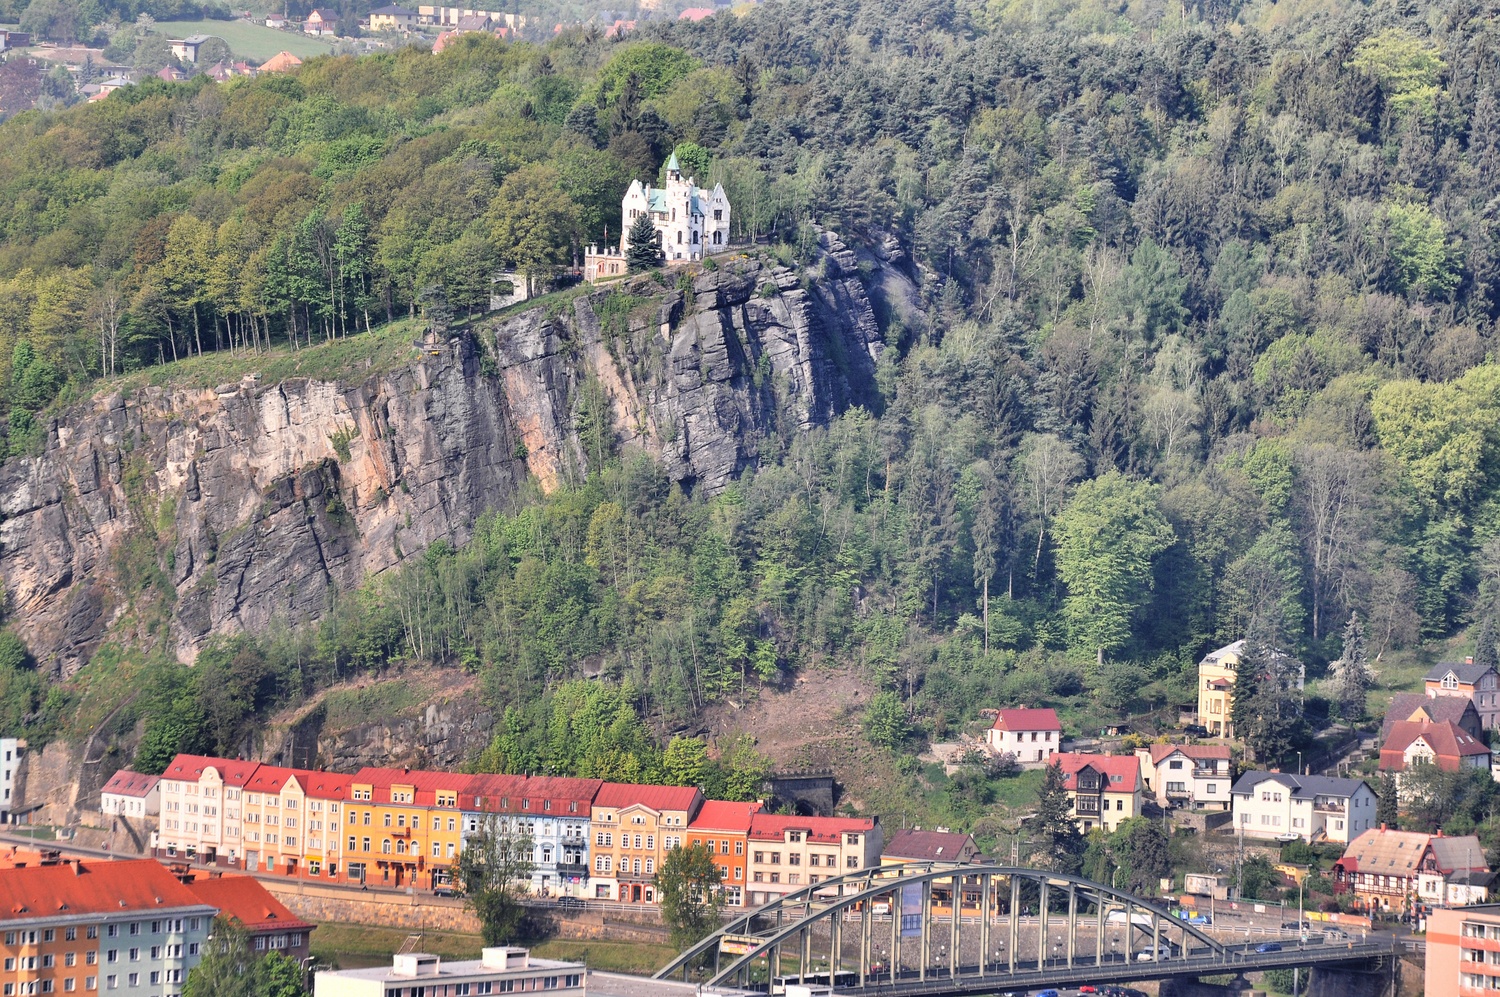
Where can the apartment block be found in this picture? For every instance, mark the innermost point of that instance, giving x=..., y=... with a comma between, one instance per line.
x=789, y=853
x=724, y=829
x=129, y=928
x=634, y=826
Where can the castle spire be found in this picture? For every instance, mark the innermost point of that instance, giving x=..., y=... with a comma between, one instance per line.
x=674, y=171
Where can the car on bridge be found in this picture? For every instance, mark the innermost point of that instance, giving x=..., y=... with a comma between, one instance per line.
x=1268, y=947
x=1157, y=954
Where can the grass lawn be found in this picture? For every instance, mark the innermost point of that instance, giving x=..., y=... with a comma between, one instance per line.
x=360, y=354
x=1019, y=792
x=355, y=946
x=247, y=40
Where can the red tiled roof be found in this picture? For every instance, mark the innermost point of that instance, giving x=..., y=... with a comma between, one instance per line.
x=933, y=846
x=190, y=768
x=624, y=794
x=91, y=888
x=696, y=14
x=249, y=903
x=1448, y=742
x=773, y=827
x=128, y=783
x=1160, y=752
x=1125, y=767
x=723, y=815
x=325, y=785
x=1023, y=719
x=529, y=794
x=425, y=784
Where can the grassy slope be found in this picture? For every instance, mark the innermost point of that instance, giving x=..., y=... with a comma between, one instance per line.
x=248, y=41
x=383, y=348
x=352, y=946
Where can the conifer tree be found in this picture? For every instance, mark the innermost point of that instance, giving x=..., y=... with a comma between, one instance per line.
x=1061, y=844
x=1352, y=674
x=1265, y=712
x=642, y=253
x=1484, y=646
x=1386, y=807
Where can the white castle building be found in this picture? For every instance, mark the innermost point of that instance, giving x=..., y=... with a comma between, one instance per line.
x=690, y=222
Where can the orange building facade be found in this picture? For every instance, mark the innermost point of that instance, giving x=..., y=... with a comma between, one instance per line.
x=724, y=828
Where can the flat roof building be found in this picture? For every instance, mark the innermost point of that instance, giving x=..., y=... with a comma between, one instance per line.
x=498, y=970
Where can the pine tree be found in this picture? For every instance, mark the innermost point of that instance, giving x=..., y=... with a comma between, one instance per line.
x=1265, y=712
x=1485, y=645
x=1386, y=807
x=1061, y=844
x=1352, y=674
x=642, y=252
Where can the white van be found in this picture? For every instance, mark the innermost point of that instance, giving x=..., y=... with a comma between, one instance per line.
x=1159, y=954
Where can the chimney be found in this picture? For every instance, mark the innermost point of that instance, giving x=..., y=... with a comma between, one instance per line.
x=1382, y=827
x=1468, y=659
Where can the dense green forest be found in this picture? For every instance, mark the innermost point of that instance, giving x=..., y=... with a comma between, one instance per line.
x=1209, y=341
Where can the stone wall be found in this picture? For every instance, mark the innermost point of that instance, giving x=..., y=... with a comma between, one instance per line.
x=416, y=912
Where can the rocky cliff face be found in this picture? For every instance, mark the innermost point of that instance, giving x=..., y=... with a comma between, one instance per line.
x=259, y=501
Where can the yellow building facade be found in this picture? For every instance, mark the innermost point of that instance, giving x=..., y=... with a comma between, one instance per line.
x=1216, y=677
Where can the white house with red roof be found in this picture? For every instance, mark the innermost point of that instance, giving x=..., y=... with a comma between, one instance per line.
x=1191, y=775
x=1103, y=790
x=555, y=809
x=1445, y=744
x=131, y=794
x=1033, y=736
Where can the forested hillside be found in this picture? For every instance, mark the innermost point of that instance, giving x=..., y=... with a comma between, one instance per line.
x=1207, y=338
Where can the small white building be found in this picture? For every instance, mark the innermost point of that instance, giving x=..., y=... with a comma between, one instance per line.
x=1195, y=775
x=1033, y=736
x=1279, y=806
x=497, y=971
x=690, y=222
x=131, y=794
x=11, y=750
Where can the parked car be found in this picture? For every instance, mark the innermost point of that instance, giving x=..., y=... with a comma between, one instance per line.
x=1336, y=934
x=451, y=892
x=1046, y=993
x=1196, y=730
x=1088, y=988
x=570, y=902
x=1200, y=919
x=1268, y=947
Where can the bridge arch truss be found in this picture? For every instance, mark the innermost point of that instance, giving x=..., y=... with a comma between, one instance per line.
x=897, y=923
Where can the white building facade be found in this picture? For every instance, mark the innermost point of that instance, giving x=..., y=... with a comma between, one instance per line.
x=11, y=749
x=497, y=971
x=1275, y=805
x=131, y=794
x=690, y=222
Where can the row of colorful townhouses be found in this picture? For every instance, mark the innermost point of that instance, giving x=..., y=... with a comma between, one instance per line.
x=403, y=827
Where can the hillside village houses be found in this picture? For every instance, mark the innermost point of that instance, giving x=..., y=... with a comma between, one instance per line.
x=1389, y=870
x=1032, y=736
x=1476, y=683
x=1194, y=775
x=1103, y=790
x=1445, y=745
x=1420, y=708
x=1315, y=808
x=1216, y=676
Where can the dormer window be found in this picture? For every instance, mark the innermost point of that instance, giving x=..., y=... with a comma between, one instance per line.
x=1450, y=681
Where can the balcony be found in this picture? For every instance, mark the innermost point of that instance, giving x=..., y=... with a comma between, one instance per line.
x=1209, y=774
x=1326, y=805
x=573, y=869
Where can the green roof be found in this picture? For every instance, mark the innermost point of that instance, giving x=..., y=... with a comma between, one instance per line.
x=672, y=163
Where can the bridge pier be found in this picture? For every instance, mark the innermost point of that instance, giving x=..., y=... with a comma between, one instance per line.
x=1188, y=986
x=1344, y=981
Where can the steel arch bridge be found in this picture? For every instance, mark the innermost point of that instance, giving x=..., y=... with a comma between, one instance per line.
x=902, y=927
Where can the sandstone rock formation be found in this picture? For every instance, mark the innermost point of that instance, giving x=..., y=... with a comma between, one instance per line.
x=260, y=501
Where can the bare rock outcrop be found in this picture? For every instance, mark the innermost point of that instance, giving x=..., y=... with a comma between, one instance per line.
x=258, y=502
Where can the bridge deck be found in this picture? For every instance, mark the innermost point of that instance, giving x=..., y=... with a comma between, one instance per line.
x=1120, y=970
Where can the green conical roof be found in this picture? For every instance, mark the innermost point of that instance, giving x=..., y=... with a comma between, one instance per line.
x=672, y=163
